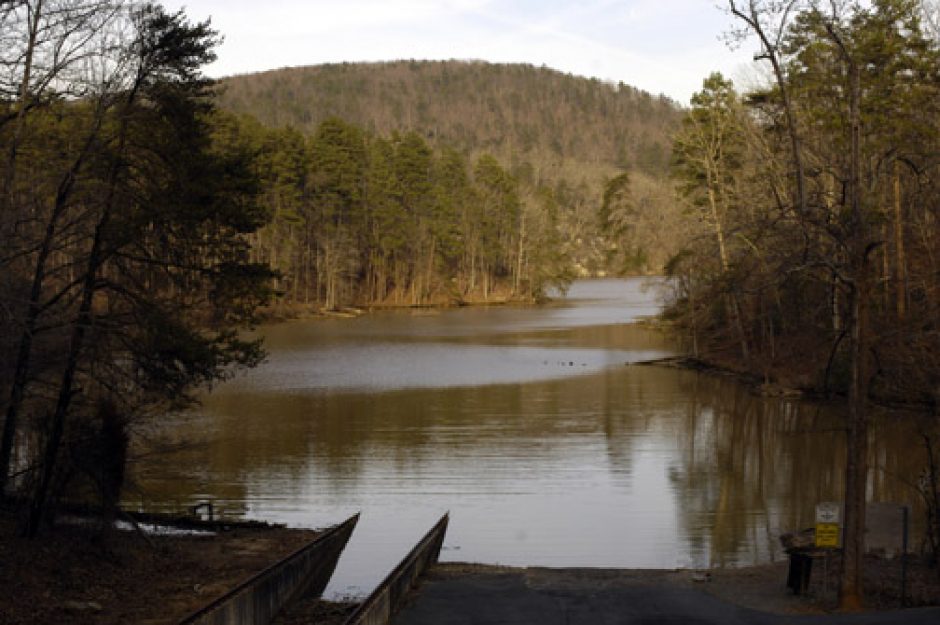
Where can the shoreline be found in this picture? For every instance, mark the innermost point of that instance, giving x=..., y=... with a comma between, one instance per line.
x=308, y=312
x=752, y=381
x=775, y=388
x=78, y=574
x=289, y=312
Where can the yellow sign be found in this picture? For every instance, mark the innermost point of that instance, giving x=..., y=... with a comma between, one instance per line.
x=827, y=534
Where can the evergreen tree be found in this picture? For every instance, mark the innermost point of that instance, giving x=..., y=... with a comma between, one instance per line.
x=338, y=183
x=140, y=276
x=498, y=218
x=812, y=200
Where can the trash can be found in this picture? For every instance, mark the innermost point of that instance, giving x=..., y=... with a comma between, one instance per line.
x=801, y=568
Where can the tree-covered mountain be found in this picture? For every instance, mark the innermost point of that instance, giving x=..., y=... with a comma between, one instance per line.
x=557, y=135
x=518, y=112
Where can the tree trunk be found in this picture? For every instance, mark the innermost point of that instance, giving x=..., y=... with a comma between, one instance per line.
x=770, y=54
x=22, y=359
x=34, y=310
x=35, y=17
x=430, y=270
x=76, y=345
x=900, y=270
x=83, y=320
x=732, y=300
x=519, y=260
x=856, y=470
x=692, y=324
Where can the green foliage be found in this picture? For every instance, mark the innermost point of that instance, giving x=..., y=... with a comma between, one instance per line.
x=337, y=166
x=359, y=219
x=815, y=225
x=564, y=128
x=707, y=150
x=136, y=202
x=617, y=208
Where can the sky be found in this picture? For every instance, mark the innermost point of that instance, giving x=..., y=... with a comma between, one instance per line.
x=661, y=46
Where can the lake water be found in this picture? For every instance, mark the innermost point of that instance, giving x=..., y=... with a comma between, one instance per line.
x=530, y=425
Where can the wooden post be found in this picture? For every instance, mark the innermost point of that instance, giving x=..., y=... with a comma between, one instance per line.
x=900, y=270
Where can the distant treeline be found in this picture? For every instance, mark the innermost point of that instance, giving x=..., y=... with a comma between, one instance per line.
x=551, y=131
x=354, y=218
x=533, y=113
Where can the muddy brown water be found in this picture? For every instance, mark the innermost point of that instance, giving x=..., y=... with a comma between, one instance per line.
x=529, y=425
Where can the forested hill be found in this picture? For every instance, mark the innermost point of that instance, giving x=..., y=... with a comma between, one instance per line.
x=520, y=113
x=597, y=152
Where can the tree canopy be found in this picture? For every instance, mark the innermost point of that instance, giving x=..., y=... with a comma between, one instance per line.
x=125, y=211
x=818, y=222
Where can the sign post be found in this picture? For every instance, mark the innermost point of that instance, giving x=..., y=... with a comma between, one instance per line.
x=828, y=515
x=827, y=535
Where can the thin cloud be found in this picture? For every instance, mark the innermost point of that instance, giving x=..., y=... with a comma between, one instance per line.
x=657, y=46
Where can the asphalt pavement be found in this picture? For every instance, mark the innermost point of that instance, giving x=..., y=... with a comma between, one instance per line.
x=599, y=597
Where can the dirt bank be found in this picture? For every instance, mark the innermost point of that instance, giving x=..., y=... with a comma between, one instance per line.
x=79, y=576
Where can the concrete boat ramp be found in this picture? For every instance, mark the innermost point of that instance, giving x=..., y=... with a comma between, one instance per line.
x=419, y=591
x=289, y=589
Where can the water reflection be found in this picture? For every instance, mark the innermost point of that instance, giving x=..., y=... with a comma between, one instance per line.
x=609, y=464
x=754, y=467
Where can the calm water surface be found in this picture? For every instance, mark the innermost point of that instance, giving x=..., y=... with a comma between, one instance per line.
x=529, y=425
